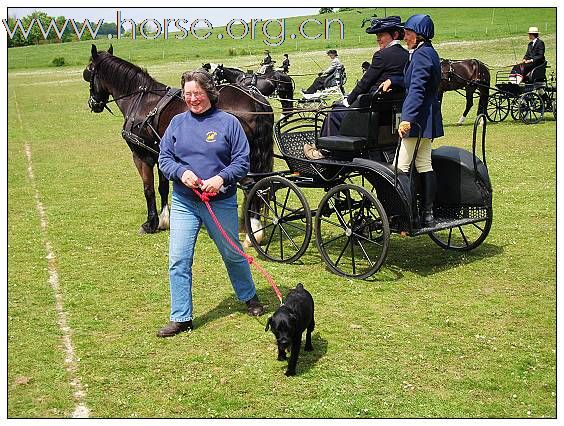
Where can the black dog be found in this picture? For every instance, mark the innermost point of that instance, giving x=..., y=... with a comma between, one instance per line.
x=288, y=324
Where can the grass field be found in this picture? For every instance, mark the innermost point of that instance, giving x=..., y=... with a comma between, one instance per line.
x=433, y=334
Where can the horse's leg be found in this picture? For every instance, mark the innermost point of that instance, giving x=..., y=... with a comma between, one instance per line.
x=483, y=102
x=469, y=102
x=147, y=176
x=256, y=225
x=164, y=188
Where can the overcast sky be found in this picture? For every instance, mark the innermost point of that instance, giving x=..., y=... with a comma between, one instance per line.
x=217, y=16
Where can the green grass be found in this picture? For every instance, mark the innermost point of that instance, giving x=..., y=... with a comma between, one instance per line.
x=433, y=334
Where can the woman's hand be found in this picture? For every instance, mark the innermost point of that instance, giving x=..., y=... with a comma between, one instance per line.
x=212, y=185
x=385, y=86
x=404, y=128
x=189, y=179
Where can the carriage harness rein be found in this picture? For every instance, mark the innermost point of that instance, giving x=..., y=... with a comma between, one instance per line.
x=205, y=197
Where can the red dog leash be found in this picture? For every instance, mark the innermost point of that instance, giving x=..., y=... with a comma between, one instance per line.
x=205, y=197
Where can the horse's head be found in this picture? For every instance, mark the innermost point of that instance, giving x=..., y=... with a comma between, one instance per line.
x=99, y=94
x=446, y=68
x=218, y=73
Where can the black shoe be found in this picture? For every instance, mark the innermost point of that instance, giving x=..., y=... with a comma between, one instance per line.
x=427, y=219
x=173, y=328
x=429, y=183
x=254, y=307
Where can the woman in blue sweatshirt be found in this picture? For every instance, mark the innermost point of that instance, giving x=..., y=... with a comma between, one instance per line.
x=208, y=144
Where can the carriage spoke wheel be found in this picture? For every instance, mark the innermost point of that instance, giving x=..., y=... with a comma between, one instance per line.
x=529, y=108
x=497, y=108
x=352, y=231
x=464, y=237
x=285, y=217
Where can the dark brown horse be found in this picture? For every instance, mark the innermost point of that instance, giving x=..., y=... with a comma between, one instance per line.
x=148, y=106
x=269, y=83
x=468, y=74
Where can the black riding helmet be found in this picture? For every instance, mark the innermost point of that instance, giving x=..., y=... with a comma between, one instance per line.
x=388, y=24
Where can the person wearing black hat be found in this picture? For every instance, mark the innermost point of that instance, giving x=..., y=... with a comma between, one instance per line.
x=421, y=110
x=285, y=63
x=533, y=57
x=319, y=82
x=389, y=60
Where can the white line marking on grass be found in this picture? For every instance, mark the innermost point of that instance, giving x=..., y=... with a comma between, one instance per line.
x=71, y=360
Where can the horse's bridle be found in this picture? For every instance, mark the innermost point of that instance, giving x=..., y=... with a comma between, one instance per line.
x=103, y=104
x=93, y=103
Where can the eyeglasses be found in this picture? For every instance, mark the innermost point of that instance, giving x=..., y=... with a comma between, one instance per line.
x=197, y=95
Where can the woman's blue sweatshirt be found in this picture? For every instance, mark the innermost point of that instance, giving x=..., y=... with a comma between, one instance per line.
x=209, y=144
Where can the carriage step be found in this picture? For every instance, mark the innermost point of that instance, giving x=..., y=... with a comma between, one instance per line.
x=446, y=223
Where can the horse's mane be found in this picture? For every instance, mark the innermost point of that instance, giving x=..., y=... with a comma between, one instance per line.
x=124, y=76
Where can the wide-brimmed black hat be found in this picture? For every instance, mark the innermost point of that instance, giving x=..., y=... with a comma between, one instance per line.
x=387, y=24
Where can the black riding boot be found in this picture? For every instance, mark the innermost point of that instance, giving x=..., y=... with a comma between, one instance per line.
x=429, y=189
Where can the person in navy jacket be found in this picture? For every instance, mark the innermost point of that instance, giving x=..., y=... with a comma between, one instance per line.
x=421, y=110
x=388, y=60
x=203, y=148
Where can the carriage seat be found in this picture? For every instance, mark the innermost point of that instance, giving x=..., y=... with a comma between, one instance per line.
x=370, y=127
x=537, y=74
x=336, y=78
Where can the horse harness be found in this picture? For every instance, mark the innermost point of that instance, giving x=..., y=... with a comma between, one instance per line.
x=134, y=127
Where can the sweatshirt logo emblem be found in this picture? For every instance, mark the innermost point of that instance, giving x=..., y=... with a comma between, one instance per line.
x=210, y=136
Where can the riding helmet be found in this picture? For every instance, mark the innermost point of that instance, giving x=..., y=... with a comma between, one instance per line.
x=387, y=24
x=422, y=25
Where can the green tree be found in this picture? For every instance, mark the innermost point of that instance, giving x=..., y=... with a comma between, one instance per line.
x=18, y=38
x=325, y=10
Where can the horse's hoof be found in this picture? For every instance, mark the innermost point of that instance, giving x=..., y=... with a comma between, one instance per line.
x=247, y=243
x=164, y=220
x=146, y=229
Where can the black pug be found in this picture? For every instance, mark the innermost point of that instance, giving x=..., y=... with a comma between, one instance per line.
x=288, y=324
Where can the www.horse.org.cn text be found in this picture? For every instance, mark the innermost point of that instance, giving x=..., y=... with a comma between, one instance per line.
x=273, y=32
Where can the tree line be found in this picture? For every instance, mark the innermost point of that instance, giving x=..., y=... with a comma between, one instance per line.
x=34, y=35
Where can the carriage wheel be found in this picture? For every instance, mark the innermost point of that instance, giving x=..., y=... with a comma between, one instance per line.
x=464, y=237
x=498, y=107
x=551, y=102
x=352, y=231
x=285, y=216
x=515, y=105
x=530, y=108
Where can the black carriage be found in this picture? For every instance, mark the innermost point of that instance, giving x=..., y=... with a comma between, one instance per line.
x=366, y=198
x=527, y=102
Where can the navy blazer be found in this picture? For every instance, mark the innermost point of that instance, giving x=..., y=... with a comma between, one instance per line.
x=536, y=52
x=385, y=63
x=421, y=80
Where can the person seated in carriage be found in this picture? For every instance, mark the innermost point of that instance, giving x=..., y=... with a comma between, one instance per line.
x=390, y=59
x=326, y=78
x=534, y=57
x=266, y=63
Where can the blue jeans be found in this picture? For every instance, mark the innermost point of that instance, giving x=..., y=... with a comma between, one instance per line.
x=186, y=217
